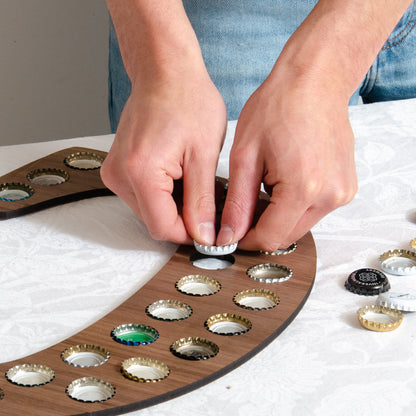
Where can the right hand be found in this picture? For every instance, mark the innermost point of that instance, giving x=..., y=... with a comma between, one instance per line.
x=298, y=142
x=170, y=129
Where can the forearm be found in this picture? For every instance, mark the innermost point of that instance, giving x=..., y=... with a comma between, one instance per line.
x=156, y=38
x=338, y=42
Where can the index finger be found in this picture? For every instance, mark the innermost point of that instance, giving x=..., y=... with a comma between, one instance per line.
x=160, y=213
x=274, y=228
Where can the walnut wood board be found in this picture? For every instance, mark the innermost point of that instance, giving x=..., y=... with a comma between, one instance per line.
x=81, y=183
x=185, y=375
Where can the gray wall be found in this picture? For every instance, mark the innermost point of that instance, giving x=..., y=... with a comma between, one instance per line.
x=53, y=69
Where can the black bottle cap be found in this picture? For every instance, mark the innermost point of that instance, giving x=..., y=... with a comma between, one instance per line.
x=367, y=282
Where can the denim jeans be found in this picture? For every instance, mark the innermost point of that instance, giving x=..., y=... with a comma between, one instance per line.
x=241, y=40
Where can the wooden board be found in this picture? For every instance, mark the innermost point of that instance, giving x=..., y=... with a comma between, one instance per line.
x=80, y=185
x=185, y=375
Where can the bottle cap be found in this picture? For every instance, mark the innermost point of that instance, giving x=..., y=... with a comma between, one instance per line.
x=29, y=375
x=85, y=355
x=194, y=348
x=47, y=177
x=134, y=334
x=215, y=250
x=379, y=318
x=169, y=310
x=144, y=370
x=269, y=273
x=227, y=324
x=367, y=282
x=281, y=252
x=90, y=390
x=84, y=161
x=15, y=191
x=256, y=299
x=399, y=262
x=398, y=300
x=198, y=285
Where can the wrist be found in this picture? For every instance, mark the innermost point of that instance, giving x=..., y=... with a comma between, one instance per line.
x=156, y=39
x=338, y=42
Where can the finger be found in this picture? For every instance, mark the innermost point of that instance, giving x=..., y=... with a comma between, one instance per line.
x=120, y=185
x=338, y=197
x=288, y=218
x=271, y=231
x=275, y=225
x=264, y=237
x=310, y=218
x=240, y=203
x=199, y=197
x=159, y=211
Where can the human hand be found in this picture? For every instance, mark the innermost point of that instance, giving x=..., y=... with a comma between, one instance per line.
x=299, y=143
x=169, y=130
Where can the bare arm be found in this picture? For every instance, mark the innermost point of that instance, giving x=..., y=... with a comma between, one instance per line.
x=341, y=39
x=172, y=126
x=155, y=38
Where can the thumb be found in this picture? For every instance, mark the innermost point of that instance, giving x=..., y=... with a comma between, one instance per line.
x=240, y=203
x=199, y=200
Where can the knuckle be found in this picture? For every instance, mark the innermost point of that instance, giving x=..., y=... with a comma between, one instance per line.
x=158, y=235
x=205, y=202
x=236, y=206
x=334, y=194
x=109, y=174
x=272, y=245
x=157, y=232
x=311, y=189
x=343, y=195
x=242, y=158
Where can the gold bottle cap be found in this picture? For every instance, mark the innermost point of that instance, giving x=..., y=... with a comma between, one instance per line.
x=90, y=390
x=194, y=348
x=47, y=177
x=169, y=310
x=197, y=285
x=413, y=243
x=399, y=262
x=227, y=324
x=15, y=191
x=29, y=375
x=269, y=273
x=84, y=161
x=85, y=355
x=256, y=299
x=144, y=370
x=281, y=252
x=379, y=318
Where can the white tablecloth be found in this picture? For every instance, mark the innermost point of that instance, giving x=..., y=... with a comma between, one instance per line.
x=63, y=268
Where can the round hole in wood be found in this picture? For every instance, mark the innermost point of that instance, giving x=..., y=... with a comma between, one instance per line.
x=90, y=390
x=84, y=161
x=47, y=177
x=212, y=262
x=198, y=285
x=15, y=191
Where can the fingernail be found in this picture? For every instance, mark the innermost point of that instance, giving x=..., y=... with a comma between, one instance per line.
x=207, y=233
x=225, y=236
